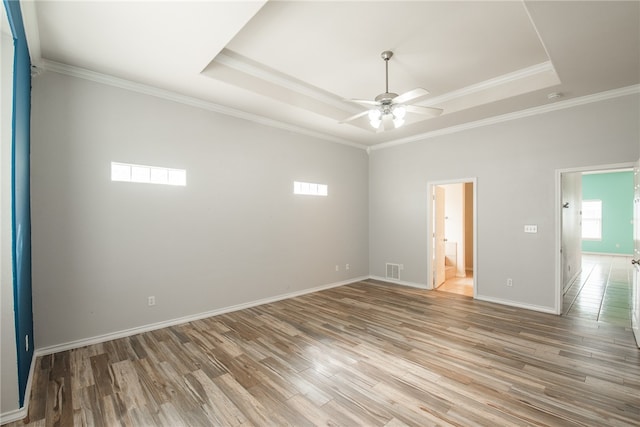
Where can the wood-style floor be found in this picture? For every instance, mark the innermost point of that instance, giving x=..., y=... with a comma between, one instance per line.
x=366, y=354
x=458, y=285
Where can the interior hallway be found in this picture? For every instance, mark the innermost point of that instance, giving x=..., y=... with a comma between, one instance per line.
x=602, y=291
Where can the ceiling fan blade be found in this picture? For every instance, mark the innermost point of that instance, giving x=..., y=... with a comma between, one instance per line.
x=363, y=101
x=412, y=95
x=425, y=111
x=355, y=116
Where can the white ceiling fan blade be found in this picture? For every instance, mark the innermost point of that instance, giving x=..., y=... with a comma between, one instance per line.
x=355, y=116
x=412, y=95
x=425, y=111
x=363, y=101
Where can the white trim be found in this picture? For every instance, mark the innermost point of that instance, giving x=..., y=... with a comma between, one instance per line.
x=105, y=79
x=400, y=282
x=15, y=415
x=20, y=413
x=608, y=254
x=430, y=231
x=210, y=106
x=607, y=171
x=492, y=300
x=574, y=102
x=491, y=83
x=185, y=319
x=540, y=39
x=245, y=65
x=510, y=303
x=558, y=221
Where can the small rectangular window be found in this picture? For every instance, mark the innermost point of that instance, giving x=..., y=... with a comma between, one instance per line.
x=159, y=176
x=177, y=177
x=140, y=174
x=592, y=219
x=120, y=172
x=147, y=174
x=310, y=189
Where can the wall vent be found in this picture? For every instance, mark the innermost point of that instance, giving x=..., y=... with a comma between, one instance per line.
x=393, y=271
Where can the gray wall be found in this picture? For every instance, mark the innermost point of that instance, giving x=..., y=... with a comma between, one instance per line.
x=515, y=164
x=235, y=234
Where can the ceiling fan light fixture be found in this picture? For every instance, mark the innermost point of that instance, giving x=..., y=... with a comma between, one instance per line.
x=397, y=122
x=399, y=112
x=375, y=118
x=391, y=108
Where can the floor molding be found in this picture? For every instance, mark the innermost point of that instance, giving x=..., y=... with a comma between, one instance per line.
x=607, y=254
x=400, y=282
x=20, y=413
x=539, y=308
x=185, y=319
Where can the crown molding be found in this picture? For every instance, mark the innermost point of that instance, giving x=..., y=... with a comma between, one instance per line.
x=105, y=79
x=261, y=72
x=587, y=99
x=210, y=106
x=495, y=82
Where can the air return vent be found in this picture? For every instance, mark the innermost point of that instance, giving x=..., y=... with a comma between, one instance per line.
x=393, y=271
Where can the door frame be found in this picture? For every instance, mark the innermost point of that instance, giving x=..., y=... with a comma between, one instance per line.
x=430, y=231
x=635, y=292
x=558, y=219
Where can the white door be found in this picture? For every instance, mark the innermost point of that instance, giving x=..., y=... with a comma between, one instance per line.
x=438, y=236
x=635, y=303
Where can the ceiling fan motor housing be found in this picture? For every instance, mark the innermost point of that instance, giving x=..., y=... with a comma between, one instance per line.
x=386, y=98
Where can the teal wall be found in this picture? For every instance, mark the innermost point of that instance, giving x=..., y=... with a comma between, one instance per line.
x=21, y=195
x=616, y=192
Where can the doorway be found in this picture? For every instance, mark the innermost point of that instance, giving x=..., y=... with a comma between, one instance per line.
x=452, y=228
x=579, y=290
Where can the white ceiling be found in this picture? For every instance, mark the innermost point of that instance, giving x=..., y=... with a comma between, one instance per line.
x=293, y=64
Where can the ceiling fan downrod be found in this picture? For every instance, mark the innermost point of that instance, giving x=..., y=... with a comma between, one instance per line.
x=386, y=97
x=386, y=55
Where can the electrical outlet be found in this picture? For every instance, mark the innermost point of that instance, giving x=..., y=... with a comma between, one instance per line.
x=346, y=267
x=151, y=301
x=509, y=282
x=337, y=267
x=531, y=228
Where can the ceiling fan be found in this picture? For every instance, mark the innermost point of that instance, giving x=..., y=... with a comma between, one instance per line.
x=390, y=108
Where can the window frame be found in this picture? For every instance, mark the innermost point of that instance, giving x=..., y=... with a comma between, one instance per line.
x=174, y=177
x=596, y=219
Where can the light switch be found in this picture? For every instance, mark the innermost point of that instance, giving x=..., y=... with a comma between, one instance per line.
x=530, y=228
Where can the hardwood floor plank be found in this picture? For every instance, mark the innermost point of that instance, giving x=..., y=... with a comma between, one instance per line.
x=255, y=412
x=102, y=374
x=223, y=410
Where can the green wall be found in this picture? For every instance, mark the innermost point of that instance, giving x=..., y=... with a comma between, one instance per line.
x=615, y=189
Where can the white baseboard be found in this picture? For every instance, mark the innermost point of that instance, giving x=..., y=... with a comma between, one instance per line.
x=180, y=320
x=606, y=254
x=539, y=308
x=400, y=282
x=532, y=307
x=20, y=413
